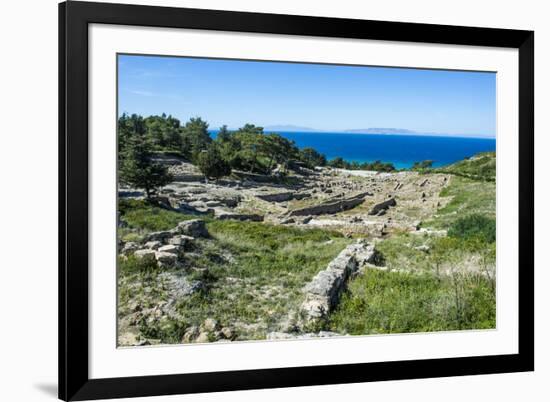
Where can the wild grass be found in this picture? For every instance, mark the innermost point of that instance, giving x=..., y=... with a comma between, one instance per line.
x=144, y=216
x=479, y=167
x=381, y=302
x=467, y=197
x=432, y=284
x=252, y=273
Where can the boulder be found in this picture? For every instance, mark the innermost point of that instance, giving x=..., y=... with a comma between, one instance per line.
x=193, y=228
x=169, y=248
x=228, y=333
x=276, y=197
x=190, y=334
x=153, y=245
x=166, y=259
x=144, y=253
x=129, y=248
x=211, y=325
x=160, y=236
x=181, y=240
x=223, y=215
x=383, y=206
x=203, y=337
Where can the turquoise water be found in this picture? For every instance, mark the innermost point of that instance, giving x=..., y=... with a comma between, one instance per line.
x=401, y=150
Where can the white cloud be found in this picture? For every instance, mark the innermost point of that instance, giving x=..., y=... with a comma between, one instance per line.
x=142, y=93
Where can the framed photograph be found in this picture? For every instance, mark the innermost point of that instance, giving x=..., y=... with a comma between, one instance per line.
x=257, y=200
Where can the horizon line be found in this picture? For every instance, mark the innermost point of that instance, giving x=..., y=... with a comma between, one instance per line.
x=410, y=134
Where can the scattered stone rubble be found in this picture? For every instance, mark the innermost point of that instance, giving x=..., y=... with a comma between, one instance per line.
x=351, y=201
x=372, y=204
x=167, y=246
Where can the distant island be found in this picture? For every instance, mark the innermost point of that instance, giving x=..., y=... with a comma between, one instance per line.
x=372, y=130
x=289, y=127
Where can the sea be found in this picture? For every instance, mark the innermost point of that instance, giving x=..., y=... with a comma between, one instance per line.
x=401, y=150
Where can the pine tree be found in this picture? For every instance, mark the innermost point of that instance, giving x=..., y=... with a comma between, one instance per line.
x=211, y=163
x=137, y=168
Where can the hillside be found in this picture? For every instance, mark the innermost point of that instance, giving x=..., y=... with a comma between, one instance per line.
x=251, y=256
x=480, y=167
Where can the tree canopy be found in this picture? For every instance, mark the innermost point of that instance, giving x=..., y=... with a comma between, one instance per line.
x=248, y=148
x=138, y=169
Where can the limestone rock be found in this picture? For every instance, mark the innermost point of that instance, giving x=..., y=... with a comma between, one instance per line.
x=193, y=228
x=166, y=259
x=324, y=291
x=153, y=245
x=145, y=253
x=190, y=334
x=224, y=215
x=211, y=325
x=169, y=248
x=129, y=248
x=181, y=240
x=203, y=337
x=383, y=206
x=160, y=236
x=228, y=333
x=332, y=206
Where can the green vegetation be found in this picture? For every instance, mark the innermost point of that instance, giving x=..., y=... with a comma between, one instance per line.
x=312, y=158
x=211, y=164
x=472, y=226
x=253, y=272
x=248, y=148
x=467, y=196
x=137, y=169
x=140, y=217
x=432, y=284
x=479, y=167
x=422, y=165
x=391, y=302
x=379, y=166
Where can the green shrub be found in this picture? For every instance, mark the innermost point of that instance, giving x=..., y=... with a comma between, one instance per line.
x=474, y=226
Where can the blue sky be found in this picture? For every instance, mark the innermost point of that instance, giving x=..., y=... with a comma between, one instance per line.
x=324, y=97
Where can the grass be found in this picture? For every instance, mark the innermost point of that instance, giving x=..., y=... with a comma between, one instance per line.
x=381, y=302
x=141, y=215
x=263, y=283
x=432, y=284
x=253, y=274
x=468, y=196
x=479, y=167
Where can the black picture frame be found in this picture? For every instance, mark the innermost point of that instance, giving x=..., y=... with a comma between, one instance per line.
x=74, y=18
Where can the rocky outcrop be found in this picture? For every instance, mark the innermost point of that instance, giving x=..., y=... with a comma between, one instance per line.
x=167, y=246
x=332, y=206
x=224, y=215
x=382, y=207
x=193, y=228
x=282, y=197
x=276, y=197
x=323, y=293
